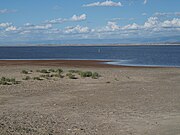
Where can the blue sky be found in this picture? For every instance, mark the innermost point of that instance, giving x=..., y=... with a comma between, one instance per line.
x=32, y=20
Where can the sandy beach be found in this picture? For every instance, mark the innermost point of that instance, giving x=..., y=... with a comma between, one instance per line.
x=123, y=101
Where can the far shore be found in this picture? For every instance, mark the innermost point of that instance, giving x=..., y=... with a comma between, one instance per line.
x=133, y=44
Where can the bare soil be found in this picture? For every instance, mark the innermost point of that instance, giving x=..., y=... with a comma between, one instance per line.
x=124, y=101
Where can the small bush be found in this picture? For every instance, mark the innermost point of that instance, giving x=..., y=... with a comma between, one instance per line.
x=44, y=71
x=95, y=75
x=47, y=76
x=86, y=74
x=71, y=76
x=51, y=70
x=8, y=81
x=74, y=71
x=24, y=72
x=27, y=78
x=59, y=71
x=57, y=75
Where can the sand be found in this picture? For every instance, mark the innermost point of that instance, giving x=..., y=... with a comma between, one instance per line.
x=123, y=101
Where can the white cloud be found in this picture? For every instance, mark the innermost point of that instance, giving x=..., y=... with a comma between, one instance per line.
x=42, y=27
x=171, y=23
x=78, y=18
x=37, y=27
x=74, y=18
x=11, y=28
x=151, y=22
x=167, y=14
x=112, y=26
x=107, y=3
x=4, y=25
x=5, y=11
x=117, y=19
x=133, y=26
x=77, y=29
x=145, y=1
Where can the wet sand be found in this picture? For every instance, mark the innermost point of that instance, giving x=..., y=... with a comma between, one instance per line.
x=123, y=101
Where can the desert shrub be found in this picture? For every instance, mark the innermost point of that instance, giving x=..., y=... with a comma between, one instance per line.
x=59, y=71
x=86, y=74
x=44, y=71
x=51, y=70
x=47, y=76
x=57, y=75
x=37, y=78
x=74, y=71
x=27, y=78
x=95, y=75
x=4, y=83
x=71, y=76
x=8, y=81
x=24, y=72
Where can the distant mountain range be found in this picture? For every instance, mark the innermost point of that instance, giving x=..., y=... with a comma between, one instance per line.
x=157, y=40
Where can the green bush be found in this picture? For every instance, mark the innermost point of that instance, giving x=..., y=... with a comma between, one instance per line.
x=24, y=72
x=59, y=71
x=71, y=76
x=8, y=81
x=44, y=71
x=95, y=75
x=74, y=71
x=51, y=70
x=86, y=74
x=27, y=78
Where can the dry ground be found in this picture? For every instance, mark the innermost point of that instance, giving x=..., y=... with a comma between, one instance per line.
x=124, y=101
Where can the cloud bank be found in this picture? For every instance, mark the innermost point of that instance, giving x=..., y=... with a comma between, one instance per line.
x=74, y=18
x=107, y=3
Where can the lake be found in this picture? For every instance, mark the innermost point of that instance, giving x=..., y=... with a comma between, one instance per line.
x=164, y=56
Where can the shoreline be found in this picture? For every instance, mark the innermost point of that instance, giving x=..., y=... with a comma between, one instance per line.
x=70, y=63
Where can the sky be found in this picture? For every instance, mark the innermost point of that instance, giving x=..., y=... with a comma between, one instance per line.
x=48, y=20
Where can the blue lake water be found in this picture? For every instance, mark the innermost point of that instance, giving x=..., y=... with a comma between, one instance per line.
x=120, y=55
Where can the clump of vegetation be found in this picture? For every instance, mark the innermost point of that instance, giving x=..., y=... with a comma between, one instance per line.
x=24, y=72
x=59, y=71
x=52, y=70
x=8, y=81
x=46, y=76
x=74, y=71
x=95, y=75
x=71, y=76
x=86, y=74
x=44, y=71
x=27, y=78
x=37, y=78
x=57, y=75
